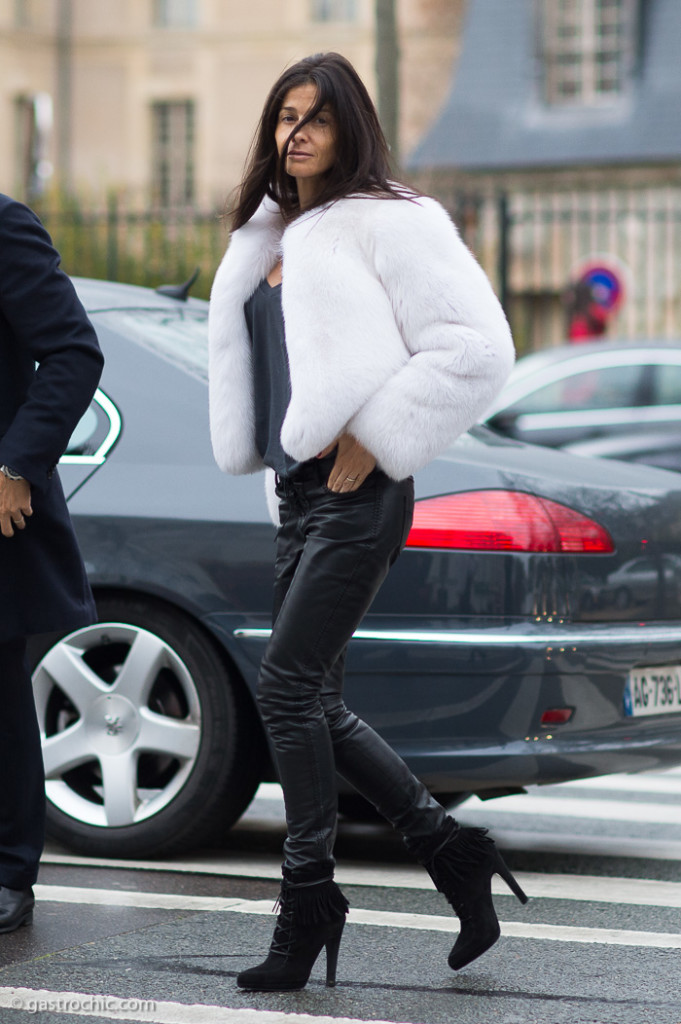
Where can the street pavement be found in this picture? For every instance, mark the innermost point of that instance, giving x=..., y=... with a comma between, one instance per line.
x=599, y=942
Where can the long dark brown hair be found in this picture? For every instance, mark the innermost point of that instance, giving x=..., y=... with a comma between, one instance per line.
x=362, y=163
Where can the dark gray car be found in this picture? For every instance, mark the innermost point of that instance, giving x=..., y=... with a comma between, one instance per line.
x=499, y=653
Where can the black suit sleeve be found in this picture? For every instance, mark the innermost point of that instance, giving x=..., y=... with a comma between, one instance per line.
x=50, y=327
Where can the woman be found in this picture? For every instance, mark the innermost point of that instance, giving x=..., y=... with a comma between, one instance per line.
x=393, y=345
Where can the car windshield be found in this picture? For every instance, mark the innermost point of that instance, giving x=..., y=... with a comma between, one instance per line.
x=179, y=335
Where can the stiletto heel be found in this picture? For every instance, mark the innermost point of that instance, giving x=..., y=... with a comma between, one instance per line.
x=461, y=867
x=311, y=918
x=332, y=950
x=501, y=870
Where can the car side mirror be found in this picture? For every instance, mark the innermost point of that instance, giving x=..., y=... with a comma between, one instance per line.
x=505, y=422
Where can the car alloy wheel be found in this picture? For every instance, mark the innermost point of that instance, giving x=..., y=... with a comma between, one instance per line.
x=108, y=697
x=148, y=744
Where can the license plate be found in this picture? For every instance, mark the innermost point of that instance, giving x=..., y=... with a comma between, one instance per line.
x=653, y=691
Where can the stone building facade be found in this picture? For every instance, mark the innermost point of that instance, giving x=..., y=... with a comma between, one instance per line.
x=158, y=99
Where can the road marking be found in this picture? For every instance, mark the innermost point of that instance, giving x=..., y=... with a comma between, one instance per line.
x=379, y=918
x=585, y=846
x=131, y=898
x=572, y=807
x=669, y=783
x=85, y=1004
x=509, y=929
x=512, y=929
x=576, y=888
x=506, y=838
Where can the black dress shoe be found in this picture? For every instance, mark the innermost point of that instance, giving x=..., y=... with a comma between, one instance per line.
x=16, y=908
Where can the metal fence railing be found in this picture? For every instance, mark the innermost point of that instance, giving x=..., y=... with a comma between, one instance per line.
x=140, y=247
x=533, y=244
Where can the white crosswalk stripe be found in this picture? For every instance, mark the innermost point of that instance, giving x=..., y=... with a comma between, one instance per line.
x=85, y=1004
x=592, y=809
x=658, y=894
x=661, y=782
x=575, y=888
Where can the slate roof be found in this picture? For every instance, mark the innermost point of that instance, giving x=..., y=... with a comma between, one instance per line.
x=495, y=117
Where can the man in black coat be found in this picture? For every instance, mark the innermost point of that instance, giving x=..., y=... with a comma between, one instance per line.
x=50, y=364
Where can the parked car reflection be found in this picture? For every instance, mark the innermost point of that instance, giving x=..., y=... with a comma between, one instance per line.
x=644, y=585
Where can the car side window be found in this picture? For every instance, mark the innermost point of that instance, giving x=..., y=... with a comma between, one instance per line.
x=668, y=384
x=609, y=387
x=96, y=433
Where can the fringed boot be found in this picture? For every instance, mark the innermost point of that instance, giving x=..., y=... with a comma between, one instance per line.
x=461, y=866
x=312, y=915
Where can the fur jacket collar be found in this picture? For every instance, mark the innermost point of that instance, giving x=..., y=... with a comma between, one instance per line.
x=393, y=332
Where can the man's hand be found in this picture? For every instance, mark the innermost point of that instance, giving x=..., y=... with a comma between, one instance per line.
x=352, y=466
x=15, y=505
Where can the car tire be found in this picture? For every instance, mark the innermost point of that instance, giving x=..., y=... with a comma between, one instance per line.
x=164, y=750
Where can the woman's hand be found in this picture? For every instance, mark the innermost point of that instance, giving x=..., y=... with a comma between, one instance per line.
x=352, y=466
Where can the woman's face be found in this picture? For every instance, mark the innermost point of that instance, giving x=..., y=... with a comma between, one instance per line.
x=312, y=150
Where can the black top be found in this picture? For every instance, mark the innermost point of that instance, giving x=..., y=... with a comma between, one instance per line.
x=272, y=381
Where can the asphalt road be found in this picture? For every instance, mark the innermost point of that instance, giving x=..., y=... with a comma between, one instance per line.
x=599, y=942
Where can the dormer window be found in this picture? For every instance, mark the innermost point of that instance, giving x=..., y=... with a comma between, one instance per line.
x=333, y=10
x=175, y=13
x=588, y=49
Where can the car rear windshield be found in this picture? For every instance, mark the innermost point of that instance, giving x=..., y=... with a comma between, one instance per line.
x=179, y=335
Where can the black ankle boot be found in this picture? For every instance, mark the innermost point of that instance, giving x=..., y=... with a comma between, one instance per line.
x=461, y=868
x=311, y=916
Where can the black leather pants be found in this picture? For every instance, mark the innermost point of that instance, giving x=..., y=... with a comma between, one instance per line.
x=333, y=553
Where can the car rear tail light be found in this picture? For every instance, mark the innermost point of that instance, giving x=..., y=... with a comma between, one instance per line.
x=505, y=521
x=557, y=716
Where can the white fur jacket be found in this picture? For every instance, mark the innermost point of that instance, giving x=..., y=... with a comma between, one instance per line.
x=393, y=332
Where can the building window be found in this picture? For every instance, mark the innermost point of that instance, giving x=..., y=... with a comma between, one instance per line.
x=334, y=10
x=173, y=153
x=175, y=13
x=588, y=49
